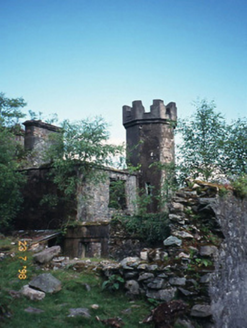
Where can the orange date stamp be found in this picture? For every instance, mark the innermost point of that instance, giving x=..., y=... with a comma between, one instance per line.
x=22, y=246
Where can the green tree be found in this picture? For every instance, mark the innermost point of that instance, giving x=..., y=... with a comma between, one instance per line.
x=10, y=179
x=201, y=149
x=10, y=111
x=80, y=153
x=209, y=146
x=235, y=148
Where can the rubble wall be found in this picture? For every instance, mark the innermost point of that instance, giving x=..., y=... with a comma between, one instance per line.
x=202, y=262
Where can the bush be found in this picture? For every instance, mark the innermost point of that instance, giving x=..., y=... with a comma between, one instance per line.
x=151, y=228
x=240, y=186
x=11, y=180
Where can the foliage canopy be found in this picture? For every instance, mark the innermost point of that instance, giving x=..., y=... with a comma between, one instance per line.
x=80, y=153
x=211, y=148
x=10, y=179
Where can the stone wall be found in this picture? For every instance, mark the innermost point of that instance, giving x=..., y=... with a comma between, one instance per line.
x=36, y=214
x=89, y=210
x=90, y=237
x=93, y=199
x=90, y=204
x=87, y=240
x=202, y=262
x=229, y=282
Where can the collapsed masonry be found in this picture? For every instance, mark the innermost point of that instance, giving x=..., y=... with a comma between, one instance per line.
x=202, y=262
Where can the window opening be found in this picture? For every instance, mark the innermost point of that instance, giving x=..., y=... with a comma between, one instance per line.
x=117, y=194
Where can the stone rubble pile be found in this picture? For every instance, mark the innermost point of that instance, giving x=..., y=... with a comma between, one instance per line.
x=182, y=269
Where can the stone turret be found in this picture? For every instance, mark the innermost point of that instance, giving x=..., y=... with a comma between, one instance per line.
x=150, y=139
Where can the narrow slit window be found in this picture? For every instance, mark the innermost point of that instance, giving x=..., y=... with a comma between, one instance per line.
x=148, y=188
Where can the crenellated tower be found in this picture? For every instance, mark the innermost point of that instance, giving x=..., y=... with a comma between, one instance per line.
x=150, y=139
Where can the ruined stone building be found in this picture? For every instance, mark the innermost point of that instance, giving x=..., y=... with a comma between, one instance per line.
x=150, y=139
x=202, y=264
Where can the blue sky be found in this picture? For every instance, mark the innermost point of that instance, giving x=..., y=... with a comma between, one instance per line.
x=82, y=58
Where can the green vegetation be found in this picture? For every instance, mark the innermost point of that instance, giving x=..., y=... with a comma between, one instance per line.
x=80, y=148
x=151, y=228
x=141, y=202
x=79, y=154
x=240, y=186
x=210, y=147
x=203, y=262
x=50, y=119
x=223, y=191
x=113, y=283
x=169, y=183
x=56, y=306
x=236, y=147
x=10, y=111
x=117, y=198
x=11, y=180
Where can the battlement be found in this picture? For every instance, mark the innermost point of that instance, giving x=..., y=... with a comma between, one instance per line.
x=158, y=113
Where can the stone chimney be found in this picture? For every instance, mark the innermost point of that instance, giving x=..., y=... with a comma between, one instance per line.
x=37, y=139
